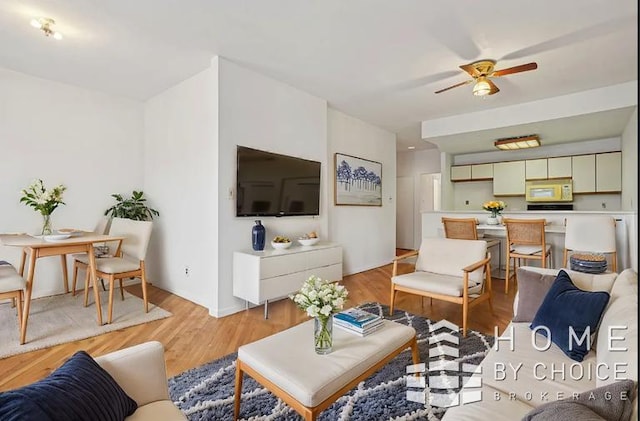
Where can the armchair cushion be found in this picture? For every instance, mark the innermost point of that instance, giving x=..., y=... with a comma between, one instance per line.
x=79, y=390
x=566, y=306
x=435, y=283
x=448, y=256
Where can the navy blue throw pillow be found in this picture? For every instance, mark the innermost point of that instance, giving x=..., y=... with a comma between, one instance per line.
x=566, y=306
x=79, y=390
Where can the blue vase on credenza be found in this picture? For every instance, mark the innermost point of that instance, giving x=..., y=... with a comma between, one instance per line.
x=257, y=236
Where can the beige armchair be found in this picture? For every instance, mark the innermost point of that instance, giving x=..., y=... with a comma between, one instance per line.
x=141, y=372
x=457, y=271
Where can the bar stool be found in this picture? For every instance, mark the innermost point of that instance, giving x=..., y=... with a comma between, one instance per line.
x=525, y=240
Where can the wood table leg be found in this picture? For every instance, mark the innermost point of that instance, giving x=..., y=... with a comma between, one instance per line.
x=65, y=273
x=23, y=259
x=238, y=391
x=27, y=298
x=94, y=281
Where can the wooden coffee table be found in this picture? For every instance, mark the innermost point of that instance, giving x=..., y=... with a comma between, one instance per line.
x=287, y=365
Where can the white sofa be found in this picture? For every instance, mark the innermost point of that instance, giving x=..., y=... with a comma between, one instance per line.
x=141, y=372
x=513, y=397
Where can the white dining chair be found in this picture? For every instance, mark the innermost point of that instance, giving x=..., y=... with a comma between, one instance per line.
x=591, y=234
x=80, y=260
x=128, y=261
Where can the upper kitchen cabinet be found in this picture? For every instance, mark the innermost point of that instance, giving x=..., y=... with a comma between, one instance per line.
x=461, y=173
x=536, y=169
x=482, y=172
x=583, y=172
x=609, y=172
x=559, y=167
x=508, y=178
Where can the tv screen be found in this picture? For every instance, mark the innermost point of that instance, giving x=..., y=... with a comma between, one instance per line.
x=270, y=184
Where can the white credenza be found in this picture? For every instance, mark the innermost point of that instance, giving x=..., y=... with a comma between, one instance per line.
x=261, y=276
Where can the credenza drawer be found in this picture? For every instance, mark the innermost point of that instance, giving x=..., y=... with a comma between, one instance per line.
x=282, y=265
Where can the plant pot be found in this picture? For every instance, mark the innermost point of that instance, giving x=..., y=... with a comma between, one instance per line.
x=493, y=220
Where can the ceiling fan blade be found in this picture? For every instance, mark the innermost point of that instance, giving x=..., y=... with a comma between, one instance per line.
x=466, y=82
x=494, y=88
x=470, y=68
x=515, y=69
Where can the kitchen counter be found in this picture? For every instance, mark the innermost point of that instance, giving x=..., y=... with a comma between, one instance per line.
x=626, y=230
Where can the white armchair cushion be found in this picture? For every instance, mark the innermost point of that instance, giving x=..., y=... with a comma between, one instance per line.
x=117, y=264
x=447, y=256
x=435, y=283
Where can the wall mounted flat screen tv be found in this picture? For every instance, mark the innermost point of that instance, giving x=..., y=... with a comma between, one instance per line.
x=270, y=184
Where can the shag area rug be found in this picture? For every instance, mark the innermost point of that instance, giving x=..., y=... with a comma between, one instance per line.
x=63, y=318
x=206, y=392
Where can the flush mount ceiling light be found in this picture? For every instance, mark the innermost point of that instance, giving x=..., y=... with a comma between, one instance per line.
x=46, y=25
x=521, y=142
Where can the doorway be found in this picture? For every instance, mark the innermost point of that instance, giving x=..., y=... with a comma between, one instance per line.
x=405, y=213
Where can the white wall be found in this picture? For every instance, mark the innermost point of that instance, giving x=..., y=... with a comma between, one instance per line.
x=181, y=141
x=88, y=141
x=367, y=233
x=262, y=113
x=630, y=164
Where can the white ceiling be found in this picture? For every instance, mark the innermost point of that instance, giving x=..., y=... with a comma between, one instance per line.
x=378, y=60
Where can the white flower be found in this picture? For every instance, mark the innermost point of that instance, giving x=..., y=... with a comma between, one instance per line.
x=318, y=297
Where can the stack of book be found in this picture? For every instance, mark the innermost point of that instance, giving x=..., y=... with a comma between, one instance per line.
x=357, y=321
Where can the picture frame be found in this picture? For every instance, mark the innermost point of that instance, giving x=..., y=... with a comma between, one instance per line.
x=357, y=181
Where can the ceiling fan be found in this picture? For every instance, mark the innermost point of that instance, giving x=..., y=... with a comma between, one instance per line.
x=482, y=71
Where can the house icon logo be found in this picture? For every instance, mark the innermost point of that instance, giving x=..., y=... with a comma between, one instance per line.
x=441, y=384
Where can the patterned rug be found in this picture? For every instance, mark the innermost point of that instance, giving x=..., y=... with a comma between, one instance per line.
x=206, y=392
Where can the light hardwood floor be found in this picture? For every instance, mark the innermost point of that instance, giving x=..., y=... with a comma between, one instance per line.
x=191, y=337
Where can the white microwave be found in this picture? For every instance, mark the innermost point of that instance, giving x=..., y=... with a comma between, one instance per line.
x=560, y=190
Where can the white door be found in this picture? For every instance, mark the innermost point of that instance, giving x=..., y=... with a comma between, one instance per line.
x=429, y=192
x=404, y=213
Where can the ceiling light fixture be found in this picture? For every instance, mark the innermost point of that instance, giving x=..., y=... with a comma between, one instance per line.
x=521, y=142
x=411, y=147
x=46, y=25
x=482, y=87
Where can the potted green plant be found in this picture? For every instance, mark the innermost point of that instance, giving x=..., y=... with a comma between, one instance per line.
x=131, y=208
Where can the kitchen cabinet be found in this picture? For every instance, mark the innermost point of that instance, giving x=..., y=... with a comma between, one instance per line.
x=536, y=169
x=583, y=172
x=559, y=167
x=461, y=173
x=482, y=172
x=609, y=172
x=508, y=178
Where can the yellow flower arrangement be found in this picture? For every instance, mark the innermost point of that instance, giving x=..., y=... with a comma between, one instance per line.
x=494, y=206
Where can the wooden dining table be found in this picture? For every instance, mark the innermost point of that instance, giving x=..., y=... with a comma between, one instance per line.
x=36, y=247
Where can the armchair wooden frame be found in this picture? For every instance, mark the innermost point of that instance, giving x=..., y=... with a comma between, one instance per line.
x=467, y=300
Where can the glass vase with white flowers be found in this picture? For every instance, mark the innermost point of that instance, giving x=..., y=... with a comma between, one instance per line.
x=320, y=299
x=44, y=201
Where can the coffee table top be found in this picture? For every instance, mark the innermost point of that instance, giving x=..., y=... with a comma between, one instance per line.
x=288, y=358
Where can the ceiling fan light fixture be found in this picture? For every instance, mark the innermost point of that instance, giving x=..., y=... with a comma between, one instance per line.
x=46, y=25
x=482, y=87
x=521, y=142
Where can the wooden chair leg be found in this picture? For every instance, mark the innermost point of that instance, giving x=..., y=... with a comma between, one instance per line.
x=393, y=296
x=75, y=279
x=18, y=302
x=121, y=290
x=86, y=287
x=465, y=313
x=111, y=282
x=143, y=278
x=506, y=277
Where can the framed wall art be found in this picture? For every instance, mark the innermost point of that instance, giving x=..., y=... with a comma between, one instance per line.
x=358, y=181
